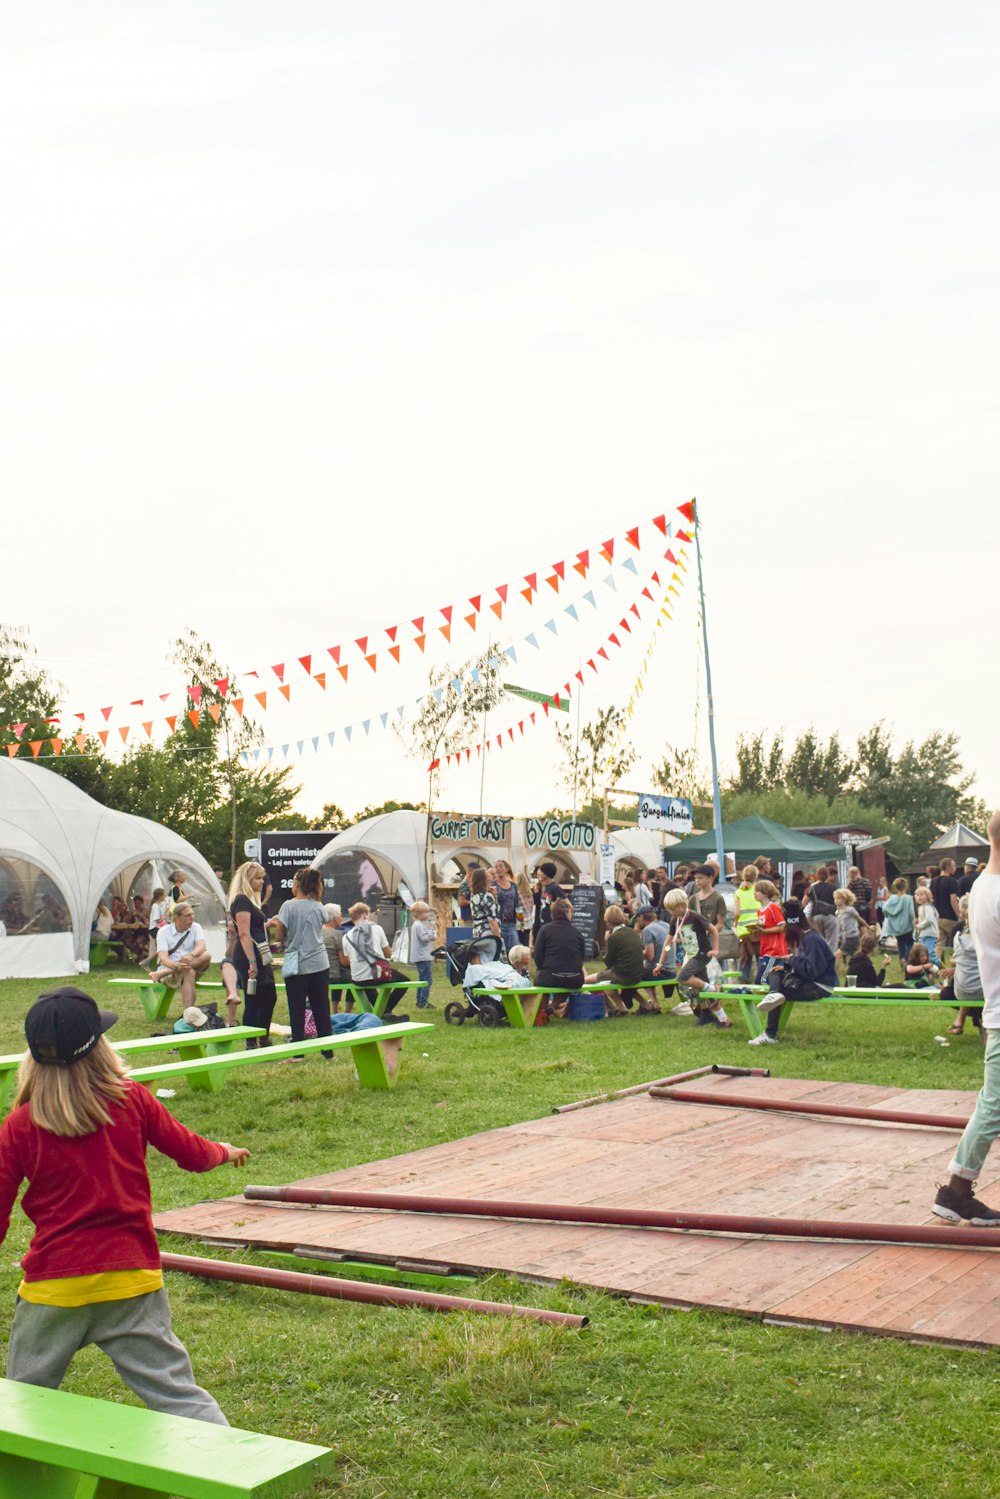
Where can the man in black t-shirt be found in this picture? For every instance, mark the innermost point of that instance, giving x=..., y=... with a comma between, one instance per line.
x=945, y=892
x=548, y=890
x=970, y=876
x=861, y=889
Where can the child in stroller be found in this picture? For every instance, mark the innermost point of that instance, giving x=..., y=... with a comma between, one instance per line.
x=469, y=967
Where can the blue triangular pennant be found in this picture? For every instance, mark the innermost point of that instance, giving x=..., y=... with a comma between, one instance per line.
x=332, y=735
x=456, y=684
x=400, y=710
x=610, y=581
x=510, y=653
x=475, y=674
x=270, y=752
x=438, y=694
x=570, y=609
x=590, y=599
x=366, y=724
x=532, y=641
x=347, y=732
x=630, y=564
x=550, y=624
x=385, y=719
x=315, y=744
x=299, y=744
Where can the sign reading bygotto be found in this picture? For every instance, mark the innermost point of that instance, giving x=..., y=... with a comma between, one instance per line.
x=470, y=829
x=549, y=832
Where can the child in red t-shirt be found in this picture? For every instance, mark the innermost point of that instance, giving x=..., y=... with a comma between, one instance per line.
x=770, y=932
x=78, y=1132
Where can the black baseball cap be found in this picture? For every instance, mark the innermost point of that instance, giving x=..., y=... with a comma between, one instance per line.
x=63, y=1025
x=645, y=911
x=794, y=915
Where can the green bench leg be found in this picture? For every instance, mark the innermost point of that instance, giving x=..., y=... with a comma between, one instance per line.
x=377, y=1061
x=21, y=1477
x=752, y=1018
x=521, y=1009
x=156, y=1001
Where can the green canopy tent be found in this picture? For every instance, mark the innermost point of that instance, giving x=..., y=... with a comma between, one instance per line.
x=750, y=836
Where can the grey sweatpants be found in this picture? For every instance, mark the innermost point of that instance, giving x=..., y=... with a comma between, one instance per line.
x=135, y=1334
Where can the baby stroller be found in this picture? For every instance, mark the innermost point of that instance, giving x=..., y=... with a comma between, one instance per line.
x=484, y=1007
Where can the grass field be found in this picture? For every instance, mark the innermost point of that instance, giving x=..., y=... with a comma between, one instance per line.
x=643, y=1402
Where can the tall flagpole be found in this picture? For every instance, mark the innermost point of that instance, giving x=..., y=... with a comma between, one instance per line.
x=716, y=798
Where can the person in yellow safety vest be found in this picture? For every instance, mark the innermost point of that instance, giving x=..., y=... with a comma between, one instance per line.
x=744, y=925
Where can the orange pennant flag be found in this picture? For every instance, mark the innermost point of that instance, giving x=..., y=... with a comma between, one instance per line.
x=215, y=711
x=553, y=582
x=320, y=677
x=526, y=593
x=394, y=653
x=372, y=659
x=343, y=671
x=123, y=731
x=12, y=749
x=497, y=609
x=445, y=631
x=102, y=735
x=470, y=620
x=194, y=715
x=261, y=698
x=80, y=741
x=633, y=537
x=57, y=745
x=582, y=563
x=286, y=692
x=420, y=642
x=237, y=703
x=149, y=729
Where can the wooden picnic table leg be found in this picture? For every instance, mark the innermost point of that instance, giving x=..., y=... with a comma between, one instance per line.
x=377, y=1061
x=520, y=1009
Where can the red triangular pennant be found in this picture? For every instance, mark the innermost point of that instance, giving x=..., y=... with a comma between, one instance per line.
x=579, y=676
x=687, y=510
x=634, y=609
x=660, y=522
x=476, y=601
x=602, y=652
x=447, y=612
x=279, y=671
x=194, y=693
x=362, y=644
x=582, y=563
x=683, y=536
x=391, y=632
x=670, y=556
x=559, y=568
x=614, y=640
x=608, y=550
x=222, y=685
x=520, y=724
x=306, y=662
x=510, y=733
x=502, y=592
x=633, y=537
x=106, y=712
x=334, y=651
x=418, y=624
x=532, y=581
x=590, y=663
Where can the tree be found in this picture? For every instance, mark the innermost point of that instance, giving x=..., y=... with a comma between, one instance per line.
x=758, y=767
x=28, y=695
x=597, y=758
x=802, y=809
x=923, y=789
x=680, y=773
x=333, y=818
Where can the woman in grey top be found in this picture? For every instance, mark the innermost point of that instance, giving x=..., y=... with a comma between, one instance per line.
x=306, y=968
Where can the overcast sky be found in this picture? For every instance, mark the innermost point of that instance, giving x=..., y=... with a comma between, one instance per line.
x=318, y=316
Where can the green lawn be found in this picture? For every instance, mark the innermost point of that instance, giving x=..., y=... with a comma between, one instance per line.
x=642, y=1402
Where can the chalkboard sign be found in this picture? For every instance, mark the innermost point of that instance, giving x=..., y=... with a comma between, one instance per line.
x=588, y=908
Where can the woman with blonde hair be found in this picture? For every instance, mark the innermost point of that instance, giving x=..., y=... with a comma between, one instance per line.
x=78, y=1132
x=251, y=952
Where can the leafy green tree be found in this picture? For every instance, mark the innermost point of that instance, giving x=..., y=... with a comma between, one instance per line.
x=759, y=767
x=680, y=773
x=596, y=758
x=924, y=788
x=28, y=695
x=803, y=809
x=818, y=769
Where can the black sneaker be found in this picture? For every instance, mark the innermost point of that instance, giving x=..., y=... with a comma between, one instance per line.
x=706, y=1017
x=956, y=1208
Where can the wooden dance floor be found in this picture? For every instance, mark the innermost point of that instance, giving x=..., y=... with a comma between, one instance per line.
x=646, y=1152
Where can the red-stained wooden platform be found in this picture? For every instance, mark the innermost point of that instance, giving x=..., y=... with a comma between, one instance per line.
x=645, y=1152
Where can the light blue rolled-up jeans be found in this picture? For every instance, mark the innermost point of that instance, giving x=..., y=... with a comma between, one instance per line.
x=984, y=1126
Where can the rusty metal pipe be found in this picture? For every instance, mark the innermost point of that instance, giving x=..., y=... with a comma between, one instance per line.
x=355, y=1290
x=662, y=1082
x=713, y=1223
x=826, y=1110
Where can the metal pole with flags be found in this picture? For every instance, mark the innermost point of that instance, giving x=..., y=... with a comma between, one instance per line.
x=716, y=798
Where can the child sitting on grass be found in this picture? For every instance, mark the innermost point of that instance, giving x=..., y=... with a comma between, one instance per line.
x=861, y=967
x=921, y=968
x=78, y=1132
x=699, y=943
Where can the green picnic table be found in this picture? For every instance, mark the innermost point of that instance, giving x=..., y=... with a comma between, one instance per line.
x=55, y=1445
x=755, y=1020
x=361, y=1000
x=156, y=999
x=190, y=1044
x=520, y=1006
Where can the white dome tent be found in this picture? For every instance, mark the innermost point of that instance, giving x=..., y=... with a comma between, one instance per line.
x=61, y=851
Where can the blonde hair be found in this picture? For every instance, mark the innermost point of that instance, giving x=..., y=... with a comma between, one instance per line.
x=750, y=874
x=847, y=896
x=615, y=916
x=517, y=955
x=240, y=883
x=675, y=900
x=72, y=1101
x=767, y=887
x=359, y=911
x=928, y=896
x=419, y=909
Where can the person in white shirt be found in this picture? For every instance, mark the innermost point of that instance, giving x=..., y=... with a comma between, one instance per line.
x=365, y=944
x=181, y=953
x=956, y=1201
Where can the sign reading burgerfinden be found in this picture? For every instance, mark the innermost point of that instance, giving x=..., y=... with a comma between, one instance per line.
x=665, y=814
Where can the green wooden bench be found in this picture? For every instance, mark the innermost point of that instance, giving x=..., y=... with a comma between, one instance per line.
x=190, y=1044
x=521, y=1006
x=375, y=1052
x=102, y=948
x=54, y=1445
x=361, y=1001
x=755, y=1020
x=156, y=999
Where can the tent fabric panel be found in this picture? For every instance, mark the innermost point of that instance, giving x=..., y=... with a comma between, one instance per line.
x=42, y=955
x=750, y=836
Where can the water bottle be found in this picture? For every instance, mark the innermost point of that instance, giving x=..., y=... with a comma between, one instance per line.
x=251, y=986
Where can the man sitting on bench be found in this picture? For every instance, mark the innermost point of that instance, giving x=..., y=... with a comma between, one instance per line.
x=181, y=953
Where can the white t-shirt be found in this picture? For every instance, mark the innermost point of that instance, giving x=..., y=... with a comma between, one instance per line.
x=177, y=945
x=356, y=947
x=984, y=924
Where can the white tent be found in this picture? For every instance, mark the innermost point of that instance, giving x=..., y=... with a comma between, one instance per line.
x=637, y=847
x=61, y=851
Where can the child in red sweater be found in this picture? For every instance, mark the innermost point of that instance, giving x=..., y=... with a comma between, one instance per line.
x=78, y=1132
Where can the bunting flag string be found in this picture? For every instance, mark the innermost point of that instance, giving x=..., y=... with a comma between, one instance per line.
x=372, y=650
x=617, y=638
